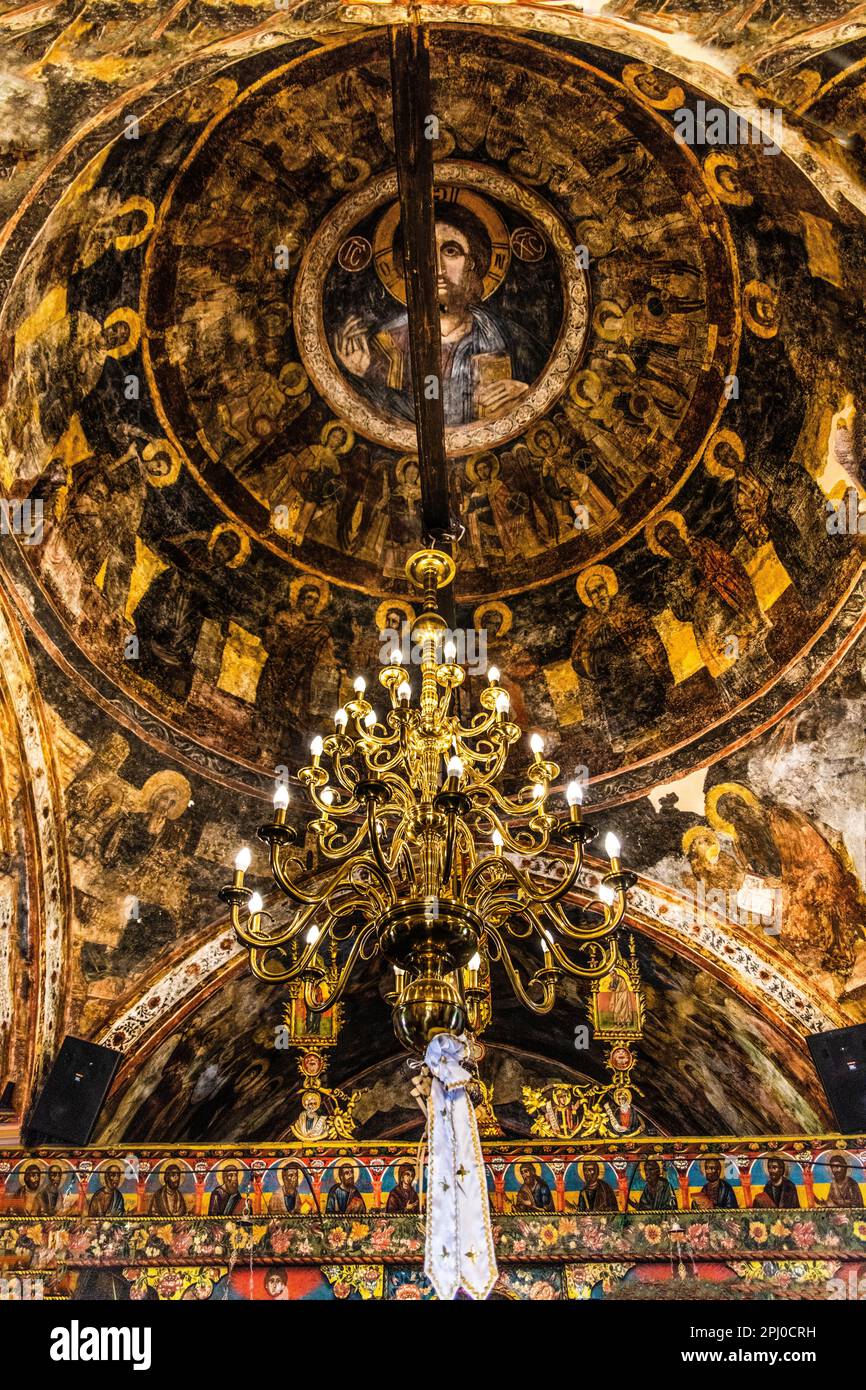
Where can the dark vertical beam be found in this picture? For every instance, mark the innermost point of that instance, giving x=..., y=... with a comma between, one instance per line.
x=412, y=99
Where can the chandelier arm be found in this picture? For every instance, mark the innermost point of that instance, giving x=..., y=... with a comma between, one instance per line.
x=399, y=850
x=347, y=847
x=347, y=808
x=493, y=765
x=536, y=895
x=546, y=980
x=250, y=936
x=342, y=767
x=285, y=884
x=533, y=838
x=384, y=877
x=258, y=957
x=480, y=724
x=589, y=972
x=476, y=875
x=372, y=742
x=343, y=979
x=380, y=765
x=259, y=952
x=611, y=918
x=297, y=894
x=509, y=806
x=404, y=795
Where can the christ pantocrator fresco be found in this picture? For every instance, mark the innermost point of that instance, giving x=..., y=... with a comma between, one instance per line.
x=488, y=359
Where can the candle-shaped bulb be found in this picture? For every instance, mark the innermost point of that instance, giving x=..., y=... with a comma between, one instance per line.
x=341, y=718
x=538, y=791
x=360, y=685
x=450, y=650
x=242, y=860
x=313, y=935
x=327, y=796
x=455, y=767
x=606, y=893
x=546, y=940
x=475, y=963
x=255, y=904
x=317, y=745
x=611, y=845
x=281, y=797
x=404, y=691
x=493, y=675
x=502, y=702
x=536, y=743
x=396, y=656
x=574, y=794
x=369, y=719
x=497, y=839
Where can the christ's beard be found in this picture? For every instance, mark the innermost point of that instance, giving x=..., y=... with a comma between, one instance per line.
x=453, y=299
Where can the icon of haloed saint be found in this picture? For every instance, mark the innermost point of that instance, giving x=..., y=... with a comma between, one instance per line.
x=617, y=1005
x=489, y=360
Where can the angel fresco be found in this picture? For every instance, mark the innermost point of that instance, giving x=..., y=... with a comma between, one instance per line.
x=530, y=502
x=402, y=513
x=615, y=648
x=138, y=831
x=823, y=908
x=717, y=870
x=490, y=517
x=96, y=792
x=566, y=484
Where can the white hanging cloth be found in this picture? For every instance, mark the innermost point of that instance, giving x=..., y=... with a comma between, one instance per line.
x=459, y=1250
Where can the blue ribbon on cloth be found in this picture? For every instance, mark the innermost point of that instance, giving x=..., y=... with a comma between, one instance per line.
x=459, y=1250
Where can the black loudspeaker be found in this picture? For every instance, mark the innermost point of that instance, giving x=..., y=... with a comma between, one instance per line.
x=840, y=1061
x=71, y=1099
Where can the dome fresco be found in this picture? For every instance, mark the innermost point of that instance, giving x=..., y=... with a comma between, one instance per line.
x=655, y=459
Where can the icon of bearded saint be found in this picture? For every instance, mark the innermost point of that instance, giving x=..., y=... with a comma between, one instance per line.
x=488, y=360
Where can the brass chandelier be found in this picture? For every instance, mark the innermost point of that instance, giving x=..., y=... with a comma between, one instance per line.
x=420, y=845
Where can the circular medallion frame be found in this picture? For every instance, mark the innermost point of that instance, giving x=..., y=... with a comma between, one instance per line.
x=331, y=382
